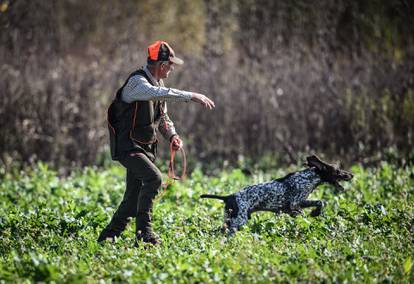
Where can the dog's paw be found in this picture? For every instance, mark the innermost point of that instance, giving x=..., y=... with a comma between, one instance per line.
x=231, y=231
x=316, y=212
x=224, y=229
x=228, y=230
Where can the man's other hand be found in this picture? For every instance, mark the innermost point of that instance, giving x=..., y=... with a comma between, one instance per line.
x=177, y=143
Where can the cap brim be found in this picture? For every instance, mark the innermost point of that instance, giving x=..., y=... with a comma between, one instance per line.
x=176, y=60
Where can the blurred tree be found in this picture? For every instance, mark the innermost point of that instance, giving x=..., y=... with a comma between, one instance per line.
x=333, y=77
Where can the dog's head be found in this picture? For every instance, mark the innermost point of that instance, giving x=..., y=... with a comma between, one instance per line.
x=329, y=173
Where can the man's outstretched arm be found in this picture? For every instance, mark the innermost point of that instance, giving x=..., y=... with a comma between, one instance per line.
x=139, y=89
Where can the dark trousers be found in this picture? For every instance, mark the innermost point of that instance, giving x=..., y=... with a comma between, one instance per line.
x=143, y=181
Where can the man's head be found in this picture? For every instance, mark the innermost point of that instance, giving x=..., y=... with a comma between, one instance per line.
x=161, y=58
x=162, y=51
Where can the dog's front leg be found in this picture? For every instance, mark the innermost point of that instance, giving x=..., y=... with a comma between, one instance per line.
x=313, y=203
x=294, y=209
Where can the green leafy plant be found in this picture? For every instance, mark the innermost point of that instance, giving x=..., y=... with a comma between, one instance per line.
x=49, y=226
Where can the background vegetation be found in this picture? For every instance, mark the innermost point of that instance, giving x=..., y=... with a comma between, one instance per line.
x=335, y=77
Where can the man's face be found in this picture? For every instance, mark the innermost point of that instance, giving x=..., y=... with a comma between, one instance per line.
x=165, y=69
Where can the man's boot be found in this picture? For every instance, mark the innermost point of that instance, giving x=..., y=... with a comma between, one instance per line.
x=144, y=232
x=112, y=230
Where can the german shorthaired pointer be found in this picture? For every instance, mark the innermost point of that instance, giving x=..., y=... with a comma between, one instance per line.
x=286, y=195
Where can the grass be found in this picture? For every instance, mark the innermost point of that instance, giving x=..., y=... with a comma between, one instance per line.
x=48, y=228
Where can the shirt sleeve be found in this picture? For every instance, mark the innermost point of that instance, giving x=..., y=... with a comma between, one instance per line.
x=166, y=126
x=139, y=89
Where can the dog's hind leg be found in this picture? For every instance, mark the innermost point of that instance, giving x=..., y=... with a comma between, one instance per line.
x=229, y=214
x=238, y=221
x=226, y=224
x=231, y=211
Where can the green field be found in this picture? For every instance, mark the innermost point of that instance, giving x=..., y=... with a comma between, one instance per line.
x=48, y=228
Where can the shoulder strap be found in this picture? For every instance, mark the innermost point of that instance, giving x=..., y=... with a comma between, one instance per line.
x=136, y=72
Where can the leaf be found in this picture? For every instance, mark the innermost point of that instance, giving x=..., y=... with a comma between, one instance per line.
x=407, y=265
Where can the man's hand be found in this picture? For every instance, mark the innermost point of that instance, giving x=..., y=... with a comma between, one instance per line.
x=177, y=143
x=202, y=99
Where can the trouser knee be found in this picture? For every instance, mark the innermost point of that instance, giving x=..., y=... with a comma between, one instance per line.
x=148, y=192
x=153, y=184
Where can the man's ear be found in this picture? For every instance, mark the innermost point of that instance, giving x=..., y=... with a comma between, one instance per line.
x=314, y=161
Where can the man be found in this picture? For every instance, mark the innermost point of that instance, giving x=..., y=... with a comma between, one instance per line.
x=138, y=110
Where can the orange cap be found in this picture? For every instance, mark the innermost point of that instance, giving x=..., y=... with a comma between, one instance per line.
x=162, y=51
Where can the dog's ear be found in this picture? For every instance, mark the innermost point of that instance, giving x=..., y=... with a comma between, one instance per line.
x=314, y=161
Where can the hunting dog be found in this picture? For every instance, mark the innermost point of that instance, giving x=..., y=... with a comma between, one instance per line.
x=284, y=195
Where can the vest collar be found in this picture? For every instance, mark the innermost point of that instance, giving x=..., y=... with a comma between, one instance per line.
x=153, y=80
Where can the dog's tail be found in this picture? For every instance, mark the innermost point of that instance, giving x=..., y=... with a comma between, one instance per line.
x=224, y=198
